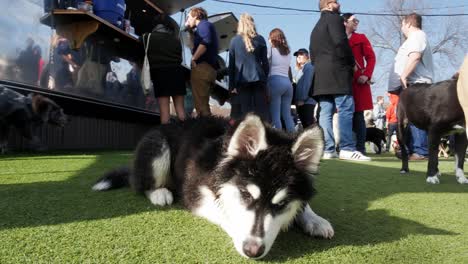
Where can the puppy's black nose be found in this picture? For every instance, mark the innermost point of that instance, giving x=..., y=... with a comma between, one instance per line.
x=253, y=249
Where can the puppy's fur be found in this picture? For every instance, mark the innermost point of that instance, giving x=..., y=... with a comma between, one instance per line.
x=376, y=136
x=250, y=179
x=27, y=114
x=436, y=109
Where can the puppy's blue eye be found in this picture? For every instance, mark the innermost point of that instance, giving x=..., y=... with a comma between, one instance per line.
x=280, y=205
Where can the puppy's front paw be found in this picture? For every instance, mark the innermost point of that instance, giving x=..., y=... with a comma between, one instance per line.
x=313, y=224
x=318, y=227
x=161, y=197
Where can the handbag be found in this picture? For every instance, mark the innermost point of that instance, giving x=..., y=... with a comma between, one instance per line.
x=145, y=79
x=91, y=76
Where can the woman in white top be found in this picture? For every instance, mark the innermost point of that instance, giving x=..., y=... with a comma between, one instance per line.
x=279, y=84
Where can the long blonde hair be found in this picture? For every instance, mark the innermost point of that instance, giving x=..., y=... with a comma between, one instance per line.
x=246, y=28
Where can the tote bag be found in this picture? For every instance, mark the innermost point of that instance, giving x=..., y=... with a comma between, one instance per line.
x=146, y=82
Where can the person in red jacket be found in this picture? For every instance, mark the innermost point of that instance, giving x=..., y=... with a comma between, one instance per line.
x=392, y=121
x=365, y=62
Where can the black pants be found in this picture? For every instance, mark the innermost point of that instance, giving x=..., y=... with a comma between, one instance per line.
x=306, y=114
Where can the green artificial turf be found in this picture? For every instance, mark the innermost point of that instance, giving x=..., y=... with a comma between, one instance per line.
x=48, y=214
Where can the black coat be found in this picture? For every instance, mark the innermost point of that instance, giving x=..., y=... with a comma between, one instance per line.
x=332, y=57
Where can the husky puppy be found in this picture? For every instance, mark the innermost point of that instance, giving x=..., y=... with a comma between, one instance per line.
x=250, y=179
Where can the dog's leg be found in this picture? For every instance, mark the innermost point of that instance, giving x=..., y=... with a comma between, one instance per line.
x=313, y=224
x=151, y=168
x=402, y=133
x=378, y=144
x=161, y=166
x=433, y=163
x=460, y=152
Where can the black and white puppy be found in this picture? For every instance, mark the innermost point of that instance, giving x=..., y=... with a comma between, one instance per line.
x=250, y=179
x=376, y=136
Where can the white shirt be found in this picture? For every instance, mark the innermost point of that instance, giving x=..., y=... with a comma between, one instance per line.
x=279, y=64
x=424, y=71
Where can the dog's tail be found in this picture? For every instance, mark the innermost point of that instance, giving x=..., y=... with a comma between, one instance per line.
x=114, y=179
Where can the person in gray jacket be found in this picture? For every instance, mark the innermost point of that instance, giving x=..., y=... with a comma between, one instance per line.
x=249, y=68
x=379, y=113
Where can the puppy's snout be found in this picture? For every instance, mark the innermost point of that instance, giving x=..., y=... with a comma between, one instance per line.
x=253, y=249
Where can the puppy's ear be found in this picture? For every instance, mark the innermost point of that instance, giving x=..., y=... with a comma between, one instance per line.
x=248, y=139
x=308, y=149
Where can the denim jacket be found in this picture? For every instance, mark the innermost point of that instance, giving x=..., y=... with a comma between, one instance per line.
x=304, y=83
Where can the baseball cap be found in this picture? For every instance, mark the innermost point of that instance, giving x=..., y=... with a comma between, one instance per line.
x=301, y=51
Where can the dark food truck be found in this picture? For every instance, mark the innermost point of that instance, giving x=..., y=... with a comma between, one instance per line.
x=87, y=56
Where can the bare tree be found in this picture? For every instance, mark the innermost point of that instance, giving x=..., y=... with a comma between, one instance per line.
x=448, y=38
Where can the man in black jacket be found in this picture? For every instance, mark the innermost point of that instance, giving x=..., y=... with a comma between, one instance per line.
x=334, y=62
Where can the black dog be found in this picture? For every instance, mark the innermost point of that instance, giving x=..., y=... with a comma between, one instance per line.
x=376, y=136
x=436, y=109
x=27, y=114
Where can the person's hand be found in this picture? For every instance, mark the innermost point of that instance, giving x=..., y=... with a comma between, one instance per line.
x=234, y=91
x=299, y=103
x=362, y=79
x=403, y=83
x=193, y=64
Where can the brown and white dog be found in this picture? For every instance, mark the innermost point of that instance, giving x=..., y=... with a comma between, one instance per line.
x=27, y=114
x=436, y=109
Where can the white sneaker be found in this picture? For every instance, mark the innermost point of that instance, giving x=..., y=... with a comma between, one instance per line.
x=329, y=155
x=353, y=155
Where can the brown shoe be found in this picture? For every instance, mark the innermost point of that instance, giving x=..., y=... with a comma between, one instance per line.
x=416, y=156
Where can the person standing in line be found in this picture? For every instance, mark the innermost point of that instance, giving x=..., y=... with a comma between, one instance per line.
x=364, y=57
x=332, y=85
x=392, y=121
x=167, y=73
x=204, y=58
x=379, y=113
x=279, y=84
x=413, y=64
x=248, y=69
x=305, y=104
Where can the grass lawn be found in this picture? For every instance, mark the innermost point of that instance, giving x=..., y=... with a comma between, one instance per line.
x=48, y=214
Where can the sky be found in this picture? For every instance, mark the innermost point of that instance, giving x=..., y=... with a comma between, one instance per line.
x=298, y=25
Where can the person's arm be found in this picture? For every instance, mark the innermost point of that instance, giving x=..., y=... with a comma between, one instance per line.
x=264, y=59
x=369, y=56
x=201, y=49
x=232, y=67
x=203, y=30
x=69, y=60
x=339, y=39
x=413, y=59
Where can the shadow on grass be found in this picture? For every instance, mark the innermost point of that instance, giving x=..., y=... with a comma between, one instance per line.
x=345, y=193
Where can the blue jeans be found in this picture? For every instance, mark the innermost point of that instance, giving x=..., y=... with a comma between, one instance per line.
x=359, y=128
x=418, y=141
x=328, y=106
x=281, y=93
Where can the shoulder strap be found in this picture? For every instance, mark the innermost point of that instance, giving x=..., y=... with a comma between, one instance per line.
x=147, y=43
